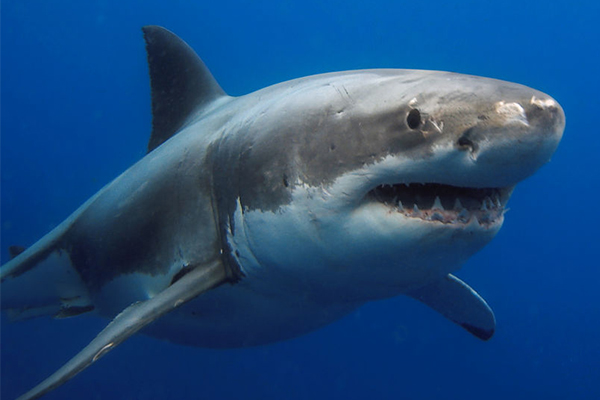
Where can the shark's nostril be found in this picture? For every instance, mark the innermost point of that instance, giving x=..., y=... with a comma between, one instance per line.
x=466, y=142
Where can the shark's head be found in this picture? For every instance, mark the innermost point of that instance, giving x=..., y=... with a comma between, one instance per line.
x=382, y=179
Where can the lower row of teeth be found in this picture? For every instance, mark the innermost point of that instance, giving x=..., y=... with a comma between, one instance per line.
x=490, y=211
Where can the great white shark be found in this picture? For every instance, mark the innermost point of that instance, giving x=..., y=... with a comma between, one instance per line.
x=289, y=207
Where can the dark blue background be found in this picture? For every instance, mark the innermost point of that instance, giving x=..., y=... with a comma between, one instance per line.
x=76, y=112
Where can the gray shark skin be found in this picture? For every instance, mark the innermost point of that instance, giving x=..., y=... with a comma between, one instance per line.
x=259, y=218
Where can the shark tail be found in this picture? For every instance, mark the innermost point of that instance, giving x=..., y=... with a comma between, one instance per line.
x=41, y=281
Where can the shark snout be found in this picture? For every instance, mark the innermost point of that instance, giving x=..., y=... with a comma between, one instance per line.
x=514, y=137
x=535, y=117
x=545, y=115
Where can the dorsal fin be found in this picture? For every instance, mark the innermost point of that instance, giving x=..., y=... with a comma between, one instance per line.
x=179, y=80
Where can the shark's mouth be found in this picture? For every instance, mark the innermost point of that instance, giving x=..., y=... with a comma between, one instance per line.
x=444, y=204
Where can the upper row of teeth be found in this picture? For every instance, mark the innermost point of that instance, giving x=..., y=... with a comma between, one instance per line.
x=487, y=204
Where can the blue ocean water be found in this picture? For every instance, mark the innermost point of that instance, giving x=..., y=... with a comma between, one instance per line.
x=76, y=112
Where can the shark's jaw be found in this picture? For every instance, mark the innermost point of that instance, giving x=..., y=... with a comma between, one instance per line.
x=443, y=204
x=368, y=234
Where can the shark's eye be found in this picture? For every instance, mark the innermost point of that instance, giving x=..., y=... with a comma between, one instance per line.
x=413, y=119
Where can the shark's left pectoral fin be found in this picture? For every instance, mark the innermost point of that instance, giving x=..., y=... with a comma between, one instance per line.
x=456, y=301
x=132, y=319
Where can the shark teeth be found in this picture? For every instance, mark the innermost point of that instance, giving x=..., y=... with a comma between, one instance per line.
x=444, y=204
x=416, y=212
x=437, y=204
x=437, y=216
x=463, y=216
x=457, y=204
x=400, y=206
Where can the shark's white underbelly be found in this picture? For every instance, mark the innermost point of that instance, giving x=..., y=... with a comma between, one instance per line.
x=238, y=316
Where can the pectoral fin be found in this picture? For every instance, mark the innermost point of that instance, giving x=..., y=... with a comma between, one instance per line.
x=456, y=301
x=132, y=319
